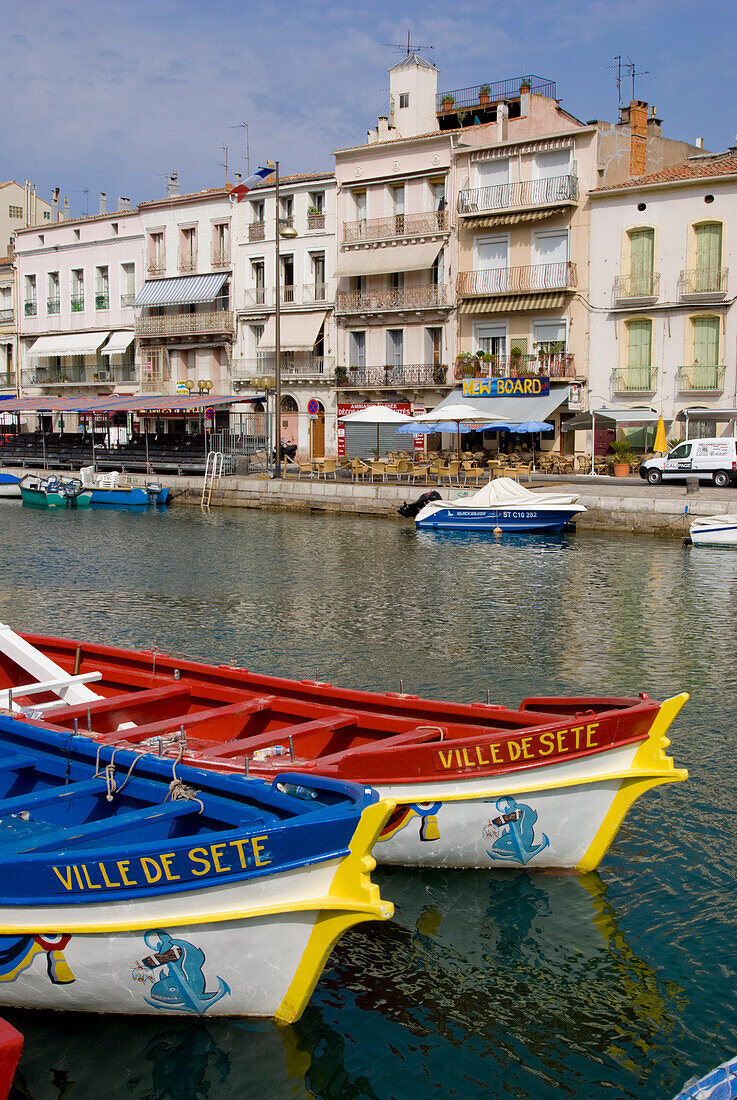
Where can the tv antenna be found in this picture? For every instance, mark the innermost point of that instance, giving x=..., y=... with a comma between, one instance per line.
x=244, y=126
x=224, y=164
x=625, y=68
x=408, y=49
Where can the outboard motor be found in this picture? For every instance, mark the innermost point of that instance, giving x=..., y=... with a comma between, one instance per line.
x=153, y=488
x=409, y=511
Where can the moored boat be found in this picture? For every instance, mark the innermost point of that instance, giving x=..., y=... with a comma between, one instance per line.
x=11, y=1048
x=9, y=485
x=503, y=505
x=715, y=531
x=151, y=887
x=119, y=490
x=544, y=785
x=54, y=492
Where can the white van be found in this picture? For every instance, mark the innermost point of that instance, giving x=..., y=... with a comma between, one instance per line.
x=707, y=459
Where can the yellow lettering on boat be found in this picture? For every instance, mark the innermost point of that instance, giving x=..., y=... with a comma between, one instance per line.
x=514, y=751
x=241, y=854
x=466, y=761
x=481, y=759
x=590, y=731
x=577, y=730
x=217, y=851
x=200, y=856
x=495, y=754
x=459, y=762
x=66, y=882
x=560, y=736
x=90, y=885
x=107, y=881
x=123, y=865
x=145, y=861
x=166, y=858
x=443, y=761
x=78, y=876
x=258, y=849
x=526, y=748
x=547, y=743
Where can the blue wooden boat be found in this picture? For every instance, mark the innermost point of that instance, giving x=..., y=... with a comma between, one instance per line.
x=719, y=1084
x=116, y=490
x=150, y=887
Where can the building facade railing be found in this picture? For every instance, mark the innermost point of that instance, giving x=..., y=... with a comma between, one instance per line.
x=551, y=365
x=53, y=305
x=411, y=297
x=127, y=300
x=102, y=301
x=220, y=320
x=257, y=231
x=697, y=281
x=315, y=292
x=156, y=266
x=634, y=380
x=7, y=380
x=502, y=196
x=646, y=285
x=396, y=225
x=493, y=92
x=221, y=257
x=392, y=377
x=511, y=280
x=77, y=303
x=292, y=365
x=188, y=263
x=6, y=316
x=315, y=221
x=29, y=308
x=701, y=378
x=78, y=376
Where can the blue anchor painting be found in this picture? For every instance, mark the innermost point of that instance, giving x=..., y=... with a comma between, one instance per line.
x=181, y=984
x=513, y=832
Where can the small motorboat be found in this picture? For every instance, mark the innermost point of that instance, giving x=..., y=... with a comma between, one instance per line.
x=501, y=505
x=718, y=1084
x=715, y=531
x=54, y=492
x=150, y=887
x=119, y=490
x=545, y=785
x=9, y=485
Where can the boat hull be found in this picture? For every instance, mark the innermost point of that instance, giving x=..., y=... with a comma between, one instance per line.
x=504, y=519
x=135, y=497
x=714, y=535
x=9, y=486
x=39, y=499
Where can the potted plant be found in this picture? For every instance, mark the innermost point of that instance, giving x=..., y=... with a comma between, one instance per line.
x=484, y=93
x=447, y=102
x=439, y=374
x=623, y=457
x=515, y=360
x=525, y=85
x=464, y=365
x=341, y=376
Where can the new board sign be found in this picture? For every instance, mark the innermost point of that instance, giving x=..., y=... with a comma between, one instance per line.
x=506, y=387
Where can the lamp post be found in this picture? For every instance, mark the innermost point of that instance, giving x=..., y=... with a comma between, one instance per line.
x=283, y=229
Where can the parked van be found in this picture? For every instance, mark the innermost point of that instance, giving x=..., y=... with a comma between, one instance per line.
x=707, y=459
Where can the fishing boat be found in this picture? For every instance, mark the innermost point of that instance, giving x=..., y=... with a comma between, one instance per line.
x=501, y=505
x=9, y=485
x=476, y=785
x=715, y=531
x=11, y=1048
x=54, y=492
x=718, y=1084
x=150, y=887
x=118, y=490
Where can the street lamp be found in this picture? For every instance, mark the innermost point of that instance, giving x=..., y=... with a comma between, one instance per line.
x=283, y=229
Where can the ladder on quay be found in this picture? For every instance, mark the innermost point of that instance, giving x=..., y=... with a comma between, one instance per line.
x=213, y=473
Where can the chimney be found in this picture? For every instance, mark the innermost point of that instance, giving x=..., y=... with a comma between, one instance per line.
x=382, y=129
x=65, y=216
x=172, y=186
x=55, y=205
x=124, y=204
x=638, y=137
x=102, y=203
x=238, y=178
x=502, y=122
x=653, y=122
x=699, y=143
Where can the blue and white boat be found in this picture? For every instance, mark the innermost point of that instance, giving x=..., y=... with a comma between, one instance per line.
x=122, y=490
x=501, y=505
x=715, y=531
x=9, y=485
x=719, y=1084
x=149, y=887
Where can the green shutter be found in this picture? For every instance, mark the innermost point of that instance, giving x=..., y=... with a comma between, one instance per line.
x=708, y=258
x=705, y=352
x=642, y=253
x=639, y=358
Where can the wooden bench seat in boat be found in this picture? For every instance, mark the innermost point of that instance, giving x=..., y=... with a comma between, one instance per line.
x=34, y=800
x=145, y=819
x=247, y=745
x=228, y=721
x=111, y=712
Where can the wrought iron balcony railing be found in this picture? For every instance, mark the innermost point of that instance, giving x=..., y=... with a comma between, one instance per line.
x=6, y=316
x=393, y=377
x=500, y=89
x=553, y=365
x=503, y=196
x=701, y=378
x=127, y=300
x=315, y=221
x=77, y=302
x=397, y=225
x=707, y=282
x=156, y=266
x=378, y=301
x=188, y=262
x=7, y=380
x=221, y=257
x=53, y=305
x=257, y=231
x=292, y=365
x=637, y=286
x=220, y=320
x=512, y=280
x=102, y=301
x=78, y=376
x=29, y=309
x=634, y=380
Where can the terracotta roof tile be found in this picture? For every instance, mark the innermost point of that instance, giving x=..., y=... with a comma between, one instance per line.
x=706, y=167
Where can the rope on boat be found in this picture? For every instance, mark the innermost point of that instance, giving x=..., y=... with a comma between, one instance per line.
x=108, y=773
x=178, y=789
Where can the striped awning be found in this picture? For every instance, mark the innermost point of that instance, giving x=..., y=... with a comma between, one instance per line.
x=173, y=402
x=512, y=302
x=181, y=291
x=386, y=259
x=488, y=221
x=118, y=343
x=68, y=343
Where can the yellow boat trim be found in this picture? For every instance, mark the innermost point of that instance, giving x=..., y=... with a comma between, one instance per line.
x=650, y=767
x=352, y=879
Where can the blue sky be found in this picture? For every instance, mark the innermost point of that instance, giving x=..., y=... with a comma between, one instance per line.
x=112, y=96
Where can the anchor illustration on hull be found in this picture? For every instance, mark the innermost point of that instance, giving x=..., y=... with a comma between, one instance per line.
x=513, y=832
x=182, y=983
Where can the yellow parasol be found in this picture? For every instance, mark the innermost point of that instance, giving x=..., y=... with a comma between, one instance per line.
x=660, y=446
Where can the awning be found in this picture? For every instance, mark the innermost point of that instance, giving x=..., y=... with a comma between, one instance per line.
x=512, y=410
x=298, y=331
x=184, y=290
x=388, y=258
x=488, y=221
x=612, y=415
x=719, y=416
x=118, y=343
x=511, y=302
x=68, y=343
x=173, y=402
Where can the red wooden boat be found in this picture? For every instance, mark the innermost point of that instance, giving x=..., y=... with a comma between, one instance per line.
x=11, y=1047
x=477, y=785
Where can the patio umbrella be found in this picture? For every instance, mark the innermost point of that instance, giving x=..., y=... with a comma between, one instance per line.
x=378, y=415
x=660, y=445
x=453, y=416
x=532, y=426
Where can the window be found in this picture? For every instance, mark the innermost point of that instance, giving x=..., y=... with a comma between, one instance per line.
x=404, y=99
x=551, y=248
x=317, y=200
x=358, y=284
x=30, y=296
x=53, y=297
x=639, y=355
x=221, y=244
x=437, y=269
x=318, y=275
x=357, y=350
x=127, y=284
x=550, y=165
x=287, y=278
x=47, y=215
x=77, y=290
x=394, y=347
x=286, y=208
x=549, y=340
x=359, y=199
x=257, y=213
x=15, y=211
x=396, y=280
x=102, y=288
x=76, y=234
x=642, y=254
x=491, y=340
x=708, y=274
x=257, y=273
x=114, y=228
x=706, y=340
x=434, y=340
x=437, y=188
x=156, y=253
x=492, y=264
x=40, y=238
x=188, y=248
x=683, y=450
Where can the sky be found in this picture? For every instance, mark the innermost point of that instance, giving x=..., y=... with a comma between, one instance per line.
x=107, y=96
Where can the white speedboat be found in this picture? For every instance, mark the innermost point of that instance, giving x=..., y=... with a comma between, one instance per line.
x=715, y=531
x=503, y=504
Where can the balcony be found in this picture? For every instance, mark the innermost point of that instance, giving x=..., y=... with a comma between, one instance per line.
x=127, y=300
x=315, y=292
x=555, y=365
x=287, y=294
x=315, y=221
x=388, y=377
x=701, y=378
x=77, y=303
x=520, y=196
x=398, y=225
x=221, y=257
x=7, y=380
x=257, y=231
x=29, y=309
x=6, y=316
x=256, y=299
x=637, y=288
x=188, y=263
x=634, y=380
x=386, y=301
x=53, y=305
x=703, y=284
x=513, y=280
x=156, y=267
x=173, y=324
x=79, y=376
x=295, y=366
x=102, y=301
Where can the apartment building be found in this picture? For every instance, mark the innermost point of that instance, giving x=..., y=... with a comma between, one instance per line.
x=307, y=220
x=76, y=286
x=663, y=252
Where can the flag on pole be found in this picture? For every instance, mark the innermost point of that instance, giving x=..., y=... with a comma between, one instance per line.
x=248, y=184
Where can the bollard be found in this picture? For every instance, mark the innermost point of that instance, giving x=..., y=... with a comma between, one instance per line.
x=692, y=485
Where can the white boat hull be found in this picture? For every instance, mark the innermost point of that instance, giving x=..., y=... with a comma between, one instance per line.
x=716, y=531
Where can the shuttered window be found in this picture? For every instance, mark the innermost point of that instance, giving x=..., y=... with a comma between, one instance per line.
x=642, y=255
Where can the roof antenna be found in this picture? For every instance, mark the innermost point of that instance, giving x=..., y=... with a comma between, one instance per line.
x=408, y=49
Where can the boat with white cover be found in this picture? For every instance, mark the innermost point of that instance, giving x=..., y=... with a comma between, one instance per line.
x=715, y=531
x=503, y=504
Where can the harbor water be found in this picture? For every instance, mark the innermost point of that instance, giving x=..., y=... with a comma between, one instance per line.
x=619, y=983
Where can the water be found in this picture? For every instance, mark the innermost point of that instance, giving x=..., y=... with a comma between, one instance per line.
x=615, y=984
